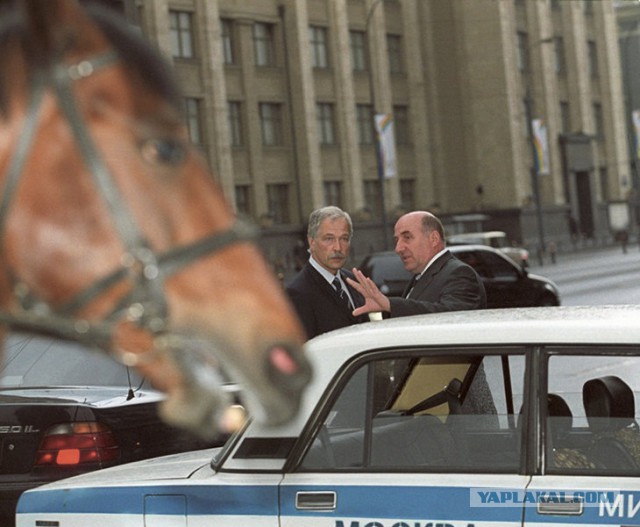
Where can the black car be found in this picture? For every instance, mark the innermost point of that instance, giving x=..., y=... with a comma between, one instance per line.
x=506, y=284
x=65, y=411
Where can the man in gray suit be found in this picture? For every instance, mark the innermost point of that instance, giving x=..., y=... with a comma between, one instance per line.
x=441, y=282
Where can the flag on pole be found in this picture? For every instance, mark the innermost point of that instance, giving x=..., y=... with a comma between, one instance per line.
x=540, y=147
x=386, y=142
x=635, y=117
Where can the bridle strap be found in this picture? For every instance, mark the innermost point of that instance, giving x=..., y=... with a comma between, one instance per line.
x=127, y=228
x=168, y=263
x=20, y=155
x=148, y=289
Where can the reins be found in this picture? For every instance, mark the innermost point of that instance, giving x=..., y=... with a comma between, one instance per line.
x=146, y=303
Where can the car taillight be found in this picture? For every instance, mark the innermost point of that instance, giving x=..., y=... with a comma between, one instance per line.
x=77, y=443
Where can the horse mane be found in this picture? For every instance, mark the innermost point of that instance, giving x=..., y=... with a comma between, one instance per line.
x=135, y=52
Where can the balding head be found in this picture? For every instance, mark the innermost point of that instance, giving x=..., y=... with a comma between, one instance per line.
x=419, y=237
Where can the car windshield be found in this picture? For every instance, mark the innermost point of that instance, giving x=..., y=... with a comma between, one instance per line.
x=37, y=361
x=387, y=267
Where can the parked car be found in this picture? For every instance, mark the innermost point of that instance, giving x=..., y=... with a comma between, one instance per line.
x=506, y=284
x=519, y=417
x=65, y=410
x=496, y=239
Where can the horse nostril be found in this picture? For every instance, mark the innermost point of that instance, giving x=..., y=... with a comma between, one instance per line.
x=287, y=367
x=282, y=360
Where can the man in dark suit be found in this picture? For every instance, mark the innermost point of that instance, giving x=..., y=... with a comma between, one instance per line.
x=320, y=293
x=441, y=282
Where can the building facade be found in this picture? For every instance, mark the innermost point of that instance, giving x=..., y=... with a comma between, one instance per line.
x=280, y=96
x=628, y=16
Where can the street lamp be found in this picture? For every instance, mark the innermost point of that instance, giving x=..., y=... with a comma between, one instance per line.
x=535, y=183
x=378, y=148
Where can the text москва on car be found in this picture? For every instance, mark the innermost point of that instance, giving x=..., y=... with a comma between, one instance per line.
x=476, y=418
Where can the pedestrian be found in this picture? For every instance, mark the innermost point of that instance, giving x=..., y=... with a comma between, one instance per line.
x=319, y=292
x=574, y=231
x=440, y=281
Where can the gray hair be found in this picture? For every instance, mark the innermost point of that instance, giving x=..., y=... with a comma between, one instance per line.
x=432, y=223
x=324, y=213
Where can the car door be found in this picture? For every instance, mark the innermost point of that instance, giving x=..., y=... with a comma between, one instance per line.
x=502, y=279
x=589, y=474
x=413, y=438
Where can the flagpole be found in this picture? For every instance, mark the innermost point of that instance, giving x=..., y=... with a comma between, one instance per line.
x=378, y=148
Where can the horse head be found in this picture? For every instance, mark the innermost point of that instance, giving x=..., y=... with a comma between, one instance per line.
x=114, y=232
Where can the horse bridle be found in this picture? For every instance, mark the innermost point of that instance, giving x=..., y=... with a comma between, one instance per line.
x=145, y=304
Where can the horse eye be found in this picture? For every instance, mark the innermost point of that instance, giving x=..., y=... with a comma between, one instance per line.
x=164, y=151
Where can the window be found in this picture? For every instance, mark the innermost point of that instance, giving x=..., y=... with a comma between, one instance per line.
x=194, y=120
x=559, y=54
x=243, y=200
x=357, y=40
x=598, y=120
x=587, y=6
x=408, y=193
x=235, y=124
x=491, y=266
x=263, y=45
x=181, y=27
x=522, y=56
x=395, y=413
x=394, y=49
x=278, y=202
x=271, y=124
x=333, y=193
x=565, y=117
x=555, y=5
x=591, y=418
x=401, y=125
x=318, y=41
x=228, y=47
x=364, y=114
x=373, y=197
x=326, y=123
x=593, y=59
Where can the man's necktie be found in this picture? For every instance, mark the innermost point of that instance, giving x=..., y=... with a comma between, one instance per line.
x=341, y=292
x=412, y=284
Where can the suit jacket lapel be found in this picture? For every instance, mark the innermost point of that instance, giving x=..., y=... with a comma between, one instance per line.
x=430, y=273
x=325, y=287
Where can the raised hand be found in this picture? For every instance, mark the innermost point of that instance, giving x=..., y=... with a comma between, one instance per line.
x=374, y=300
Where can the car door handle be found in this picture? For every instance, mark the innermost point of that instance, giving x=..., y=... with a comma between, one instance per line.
x=568, y=507
x=316, y=501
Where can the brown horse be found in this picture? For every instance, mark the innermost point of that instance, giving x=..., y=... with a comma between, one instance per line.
x=112, y=230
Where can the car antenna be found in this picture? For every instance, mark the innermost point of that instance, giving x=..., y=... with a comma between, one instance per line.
x=131, y=394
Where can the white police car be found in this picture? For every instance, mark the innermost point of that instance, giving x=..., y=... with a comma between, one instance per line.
x=487, y=418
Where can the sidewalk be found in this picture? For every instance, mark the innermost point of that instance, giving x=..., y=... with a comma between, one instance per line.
x=579, y=253
x=593, y=258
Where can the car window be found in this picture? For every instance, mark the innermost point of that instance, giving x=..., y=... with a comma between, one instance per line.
x=437, y=412
x=38, y=361
x=592, y=417
x=476, y=261
x=499, y=267
x=386, y=268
